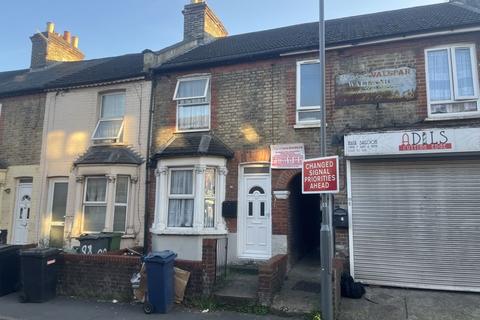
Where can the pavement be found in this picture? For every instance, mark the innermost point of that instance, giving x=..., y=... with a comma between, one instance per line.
x=62, y=308
x=403, y=304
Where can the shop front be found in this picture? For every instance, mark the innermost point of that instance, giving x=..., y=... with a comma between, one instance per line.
x=414, y=208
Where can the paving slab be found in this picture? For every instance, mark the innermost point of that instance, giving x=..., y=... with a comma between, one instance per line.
x=408, y=304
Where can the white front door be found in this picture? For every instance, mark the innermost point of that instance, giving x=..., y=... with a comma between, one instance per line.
x=22, y=213
x=255, y=228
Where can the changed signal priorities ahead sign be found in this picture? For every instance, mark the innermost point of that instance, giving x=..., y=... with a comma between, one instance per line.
x=320, y=175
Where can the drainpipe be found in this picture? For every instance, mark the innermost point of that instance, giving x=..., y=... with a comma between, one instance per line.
x=146, y=228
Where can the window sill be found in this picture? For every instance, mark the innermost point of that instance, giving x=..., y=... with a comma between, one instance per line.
x=188, y=232
x=452, y=117
x=128, y=236
x=306, y=125
x=192, y=131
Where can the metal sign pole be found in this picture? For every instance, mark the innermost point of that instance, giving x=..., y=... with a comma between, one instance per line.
x=326, y=199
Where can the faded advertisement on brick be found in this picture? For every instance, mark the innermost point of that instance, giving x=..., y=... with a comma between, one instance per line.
x=383, y=85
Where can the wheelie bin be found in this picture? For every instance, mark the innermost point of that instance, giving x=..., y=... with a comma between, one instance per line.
x=38, y=274
x=9, y=269
x=160, y=281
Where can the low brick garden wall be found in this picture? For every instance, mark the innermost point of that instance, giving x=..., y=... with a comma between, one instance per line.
x=270, y=278
x=103, y=277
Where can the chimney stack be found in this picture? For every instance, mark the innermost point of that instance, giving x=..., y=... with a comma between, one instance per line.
x=49, y=46
x=201, y=23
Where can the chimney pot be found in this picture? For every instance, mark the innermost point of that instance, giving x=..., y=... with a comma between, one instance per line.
x=67, y=36
x=50, y=27
x=75, y=41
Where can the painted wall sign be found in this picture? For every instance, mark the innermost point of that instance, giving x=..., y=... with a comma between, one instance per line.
x=384, y=85
x=320, y=175
x=287, y=156
x=425, y=141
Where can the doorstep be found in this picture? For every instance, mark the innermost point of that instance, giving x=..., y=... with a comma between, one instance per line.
x=239, y=288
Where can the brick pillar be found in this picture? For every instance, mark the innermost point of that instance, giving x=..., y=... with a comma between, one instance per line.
x=209, y=257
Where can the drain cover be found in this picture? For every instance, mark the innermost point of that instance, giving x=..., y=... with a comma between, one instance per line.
x=307, y=286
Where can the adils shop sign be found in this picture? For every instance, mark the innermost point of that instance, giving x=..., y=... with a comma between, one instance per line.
x=413, y=142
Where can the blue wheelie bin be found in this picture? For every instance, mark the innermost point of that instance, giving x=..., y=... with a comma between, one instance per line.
x=160, y=281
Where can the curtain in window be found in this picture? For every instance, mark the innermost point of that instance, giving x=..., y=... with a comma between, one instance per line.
x=181, y=182
x=108, y=129
x=119, y=218
x=121, y=192
x=309, y=85
x=439, y=75
x=113, y=106
x=94, y=218
x=96, y=189
x=464, y=72
x=191, y=88
x=209, y=214
x=180, y=213
x=193, y=117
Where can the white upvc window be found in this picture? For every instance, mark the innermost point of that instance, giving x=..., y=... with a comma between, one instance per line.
x=189, y=195
x=452, y=81
x=97, y=203
x=308, y=93
x=110, y=123
x=193, y=103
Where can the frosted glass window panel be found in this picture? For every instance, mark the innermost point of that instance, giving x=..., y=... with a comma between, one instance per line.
x=309, y=116
x=309, y=85
x=94, y=218
x=113, y=106
x=195, y=88
x=193, y=117
x=180, y=213
x=439, y=75
x=96, y=189
x=119, y=218
x=59, y=201
x=181, y=182
x=465, y=83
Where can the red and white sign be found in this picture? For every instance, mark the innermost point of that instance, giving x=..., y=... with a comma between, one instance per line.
x=425, y=141
x=287, y=156
x=320, y=175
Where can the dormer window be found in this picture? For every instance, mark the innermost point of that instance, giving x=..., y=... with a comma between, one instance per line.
x=110, y=124
x=193, y=104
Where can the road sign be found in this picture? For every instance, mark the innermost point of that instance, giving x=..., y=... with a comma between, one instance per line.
x=320, y=175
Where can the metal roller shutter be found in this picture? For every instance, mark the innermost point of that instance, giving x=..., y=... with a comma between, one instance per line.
x=416, y=223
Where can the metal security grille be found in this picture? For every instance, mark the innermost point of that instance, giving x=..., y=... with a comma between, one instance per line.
x=417, y=223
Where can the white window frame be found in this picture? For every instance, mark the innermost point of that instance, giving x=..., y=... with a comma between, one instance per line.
x=94, y=203
x=180, y=103
x=454, y=82
x=298, y=96
x=100, y=119
x=162, y=196
x=115, y=204
x=110, y=203
x=181, y=196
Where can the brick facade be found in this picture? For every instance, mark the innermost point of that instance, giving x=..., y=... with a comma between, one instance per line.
x=21, y=128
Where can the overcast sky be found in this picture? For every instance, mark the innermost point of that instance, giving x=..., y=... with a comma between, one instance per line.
x=115, y=27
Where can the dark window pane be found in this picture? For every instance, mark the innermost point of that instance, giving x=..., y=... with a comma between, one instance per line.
x=262, y=209
x=256, y=188
x=250, y=209
x=59, y=202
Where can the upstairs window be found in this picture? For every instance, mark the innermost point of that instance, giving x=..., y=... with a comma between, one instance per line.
x=452, y=81
x=110, y=124
x=308, y=92
x=193, y=104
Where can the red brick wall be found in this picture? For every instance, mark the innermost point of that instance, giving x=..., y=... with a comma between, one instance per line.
x=271, y=276
x=103, y=277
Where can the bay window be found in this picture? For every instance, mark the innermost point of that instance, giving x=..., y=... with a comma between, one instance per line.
x=193, y=104
x=308, y=92
x=110, y=123
x=97, y=203
x=452, y=81
x=189, y=196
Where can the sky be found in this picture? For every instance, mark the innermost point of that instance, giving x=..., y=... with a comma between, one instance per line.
x=116, y=27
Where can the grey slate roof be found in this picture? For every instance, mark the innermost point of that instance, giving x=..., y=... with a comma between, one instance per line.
x=68, y=74
x=343, y=31
x=194, y=144
x=109, y=155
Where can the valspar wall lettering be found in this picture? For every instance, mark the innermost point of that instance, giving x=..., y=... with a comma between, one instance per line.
x=413, y=142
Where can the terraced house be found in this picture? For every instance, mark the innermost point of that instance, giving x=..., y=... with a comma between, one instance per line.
x=232, y=118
